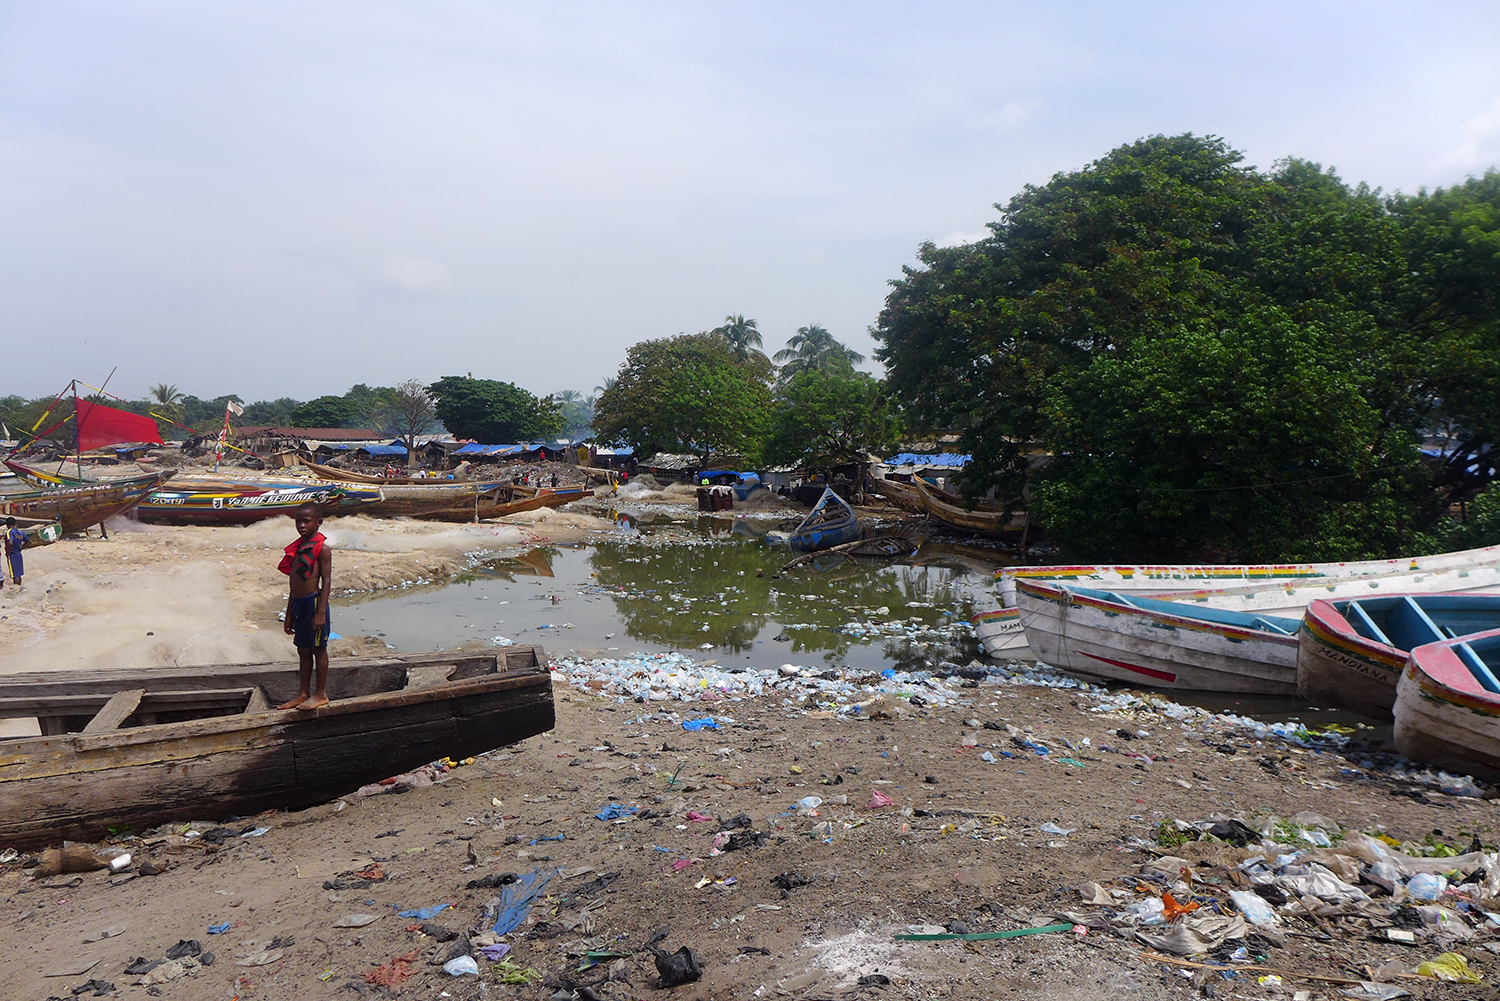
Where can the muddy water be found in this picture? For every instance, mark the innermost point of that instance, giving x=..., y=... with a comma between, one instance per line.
x=709, y=587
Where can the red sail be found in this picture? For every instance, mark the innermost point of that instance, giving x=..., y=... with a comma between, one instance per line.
x=99, y=425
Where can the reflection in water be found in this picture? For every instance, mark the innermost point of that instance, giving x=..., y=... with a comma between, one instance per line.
x=700, y=584
x=684, y=596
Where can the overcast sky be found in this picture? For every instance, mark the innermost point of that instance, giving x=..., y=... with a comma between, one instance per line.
x=284, y=199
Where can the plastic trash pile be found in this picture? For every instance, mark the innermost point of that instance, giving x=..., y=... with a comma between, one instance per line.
x=1305, y=867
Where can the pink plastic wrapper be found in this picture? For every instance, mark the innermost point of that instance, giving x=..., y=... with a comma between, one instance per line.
x=694, y=817
x=879, y=799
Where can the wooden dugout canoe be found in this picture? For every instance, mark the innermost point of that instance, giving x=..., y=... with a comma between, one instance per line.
x=903, y=495
x=1159, y=644
x=244, y=505
x=1000, y=633
x=1350, y=654
x=79, y=507
x=988, y=518
x=495, y=504
x=1448, y=706
x=142, y=747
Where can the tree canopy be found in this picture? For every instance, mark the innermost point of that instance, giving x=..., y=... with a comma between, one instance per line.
x=328, y=412
x=827, y=418
x=689, y=393
x=496, y=413
x=1222, y=361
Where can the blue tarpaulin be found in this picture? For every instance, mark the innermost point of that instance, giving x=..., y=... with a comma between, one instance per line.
x=384, y=449
x=941, y=460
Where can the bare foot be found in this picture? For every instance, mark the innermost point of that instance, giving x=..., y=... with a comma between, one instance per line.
x=294, y=703
x=316, y=702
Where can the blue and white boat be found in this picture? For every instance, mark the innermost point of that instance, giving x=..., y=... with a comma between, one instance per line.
x=831, y=522
x=1157, y=643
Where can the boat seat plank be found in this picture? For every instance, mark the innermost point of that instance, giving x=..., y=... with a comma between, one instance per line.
x=115, y=711
x=1424, y=622
x=1366, y=625
x=1478, y=668
x=1271, y=627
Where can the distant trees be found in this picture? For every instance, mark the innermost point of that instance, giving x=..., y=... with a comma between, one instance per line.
x=828, y=418
x=742, y=336
x=328, y=412
x=407, y=412
x=689, y=393
x=496, y=413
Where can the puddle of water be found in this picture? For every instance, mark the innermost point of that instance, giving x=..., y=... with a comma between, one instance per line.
x=673, y=584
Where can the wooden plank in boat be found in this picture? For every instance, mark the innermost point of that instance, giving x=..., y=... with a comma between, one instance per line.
x=115, y=711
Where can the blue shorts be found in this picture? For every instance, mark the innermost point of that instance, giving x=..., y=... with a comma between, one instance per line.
x=303, y=632
x=17, y=564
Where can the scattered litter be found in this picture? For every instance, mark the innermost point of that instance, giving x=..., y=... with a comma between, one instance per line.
x=356, y=920
x=614, y=811
x=706, y=723
x=1450, y=966
x=424, y=913
x=461, y=966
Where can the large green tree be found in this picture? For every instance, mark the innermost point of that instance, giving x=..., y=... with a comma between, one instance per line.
x=495, y=413
x=824, y=418
x=1162, y=322
x=328, y=412
x=690, y=393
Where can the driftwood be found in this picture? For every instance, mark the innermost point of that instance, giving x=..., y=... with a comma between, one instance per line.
x=880, y=545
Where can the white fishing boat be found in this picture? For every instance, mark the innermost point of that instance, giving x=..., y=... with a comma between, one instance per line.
x=1000, y=634
x=1158, y=643
x=1203, y=577
x=1448, y=705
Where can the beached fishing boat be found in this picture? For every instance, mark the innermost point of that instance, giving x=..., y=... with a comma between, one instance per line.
x=1350, y=654
x=1448, y=705
x=224, y=504
x=1160, y=644
x=1000, y=635
x=987, y=517
x=1207, y=576
x=140, y=747
x=831, y=522
x=79, y=507
x=494, y=503
x=903, y=495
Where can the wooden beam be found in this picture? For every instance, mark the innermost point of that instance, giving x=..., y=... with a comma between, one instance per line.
x=115, y=711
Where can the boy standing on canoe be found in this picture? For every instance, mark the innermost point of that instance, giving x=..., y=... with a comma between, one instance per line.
x=15, y=541
x=308, y=564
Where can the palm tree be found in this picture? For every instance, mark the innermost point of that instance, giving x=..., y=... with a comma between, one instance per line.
x=168, y=398
x=813, y=347
x=742, y=336
x=609, y=383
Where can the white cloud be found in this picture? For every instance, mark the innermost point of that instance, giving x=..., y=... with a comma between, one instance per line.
x=415, y=274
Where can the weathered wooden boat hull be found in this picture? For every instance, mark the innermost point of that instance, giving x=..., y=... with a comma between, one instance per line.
x=1206, y=576
x=903, y=495
x=1104, y=639
x=1444, y=716
x=984, y=520
x=1339, y=666
x=497, y=507
x=75, y=785
x=77, y=508
x=835, y=534
x=1000, y=634
x=1291, y=598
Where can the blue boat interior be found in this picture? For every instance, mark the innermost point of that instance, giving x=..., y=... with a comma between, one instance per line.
x=1482, y=658
x=1276, y=624
x=1407, y=621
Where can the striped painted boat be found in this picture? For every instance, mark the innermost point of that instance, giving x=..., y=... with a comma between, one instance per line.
x=1350, y=654
x=1000, y=634
x=1158, y=643
x=1448, y=705
x=1203, y=577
